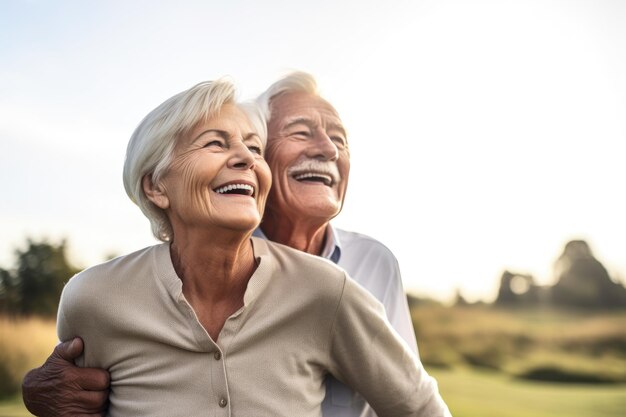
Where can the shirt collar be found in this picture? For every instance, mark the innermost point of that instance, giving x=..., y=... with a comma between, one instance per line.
x=332, y=247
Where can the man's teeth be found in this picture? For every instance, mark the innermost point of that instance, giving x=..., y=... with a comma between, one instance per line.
x=327, y=178
x=227, y=188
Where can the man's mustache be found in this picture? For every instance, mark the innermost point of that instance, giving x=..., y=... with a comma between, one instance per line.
x=315, y=166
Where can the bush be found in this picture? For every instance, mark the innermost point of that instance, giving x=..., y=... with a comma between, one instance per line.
x=555, y=374
x=487, y=358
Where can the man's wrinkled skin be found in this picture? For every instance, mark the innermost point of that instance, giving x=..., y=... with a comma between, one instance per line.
x=87, y=388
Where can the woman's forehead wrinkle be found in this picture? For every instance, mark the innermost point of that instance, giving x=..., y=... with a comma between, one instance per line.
x=226, y=135
x=222, y=133
x=251, y=135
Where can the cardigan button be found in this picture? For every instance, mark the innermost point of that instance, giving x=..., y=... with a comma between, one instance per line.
x=223, y=403
x=217, y=355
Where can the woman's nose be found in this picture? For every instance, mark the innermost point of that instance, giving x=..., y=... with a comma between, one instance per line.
x=242, y=157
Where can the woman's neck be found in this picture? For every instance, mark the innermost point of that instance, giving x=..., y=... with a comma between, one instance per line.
x=215, y=270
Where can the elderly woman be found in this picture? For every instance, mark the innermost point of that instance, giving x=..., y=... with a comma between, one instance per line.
x=216, y=322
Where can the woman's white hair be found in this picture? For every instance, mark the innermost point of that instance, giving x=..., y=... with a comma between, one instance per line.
x=151, y=145
x=295, y=82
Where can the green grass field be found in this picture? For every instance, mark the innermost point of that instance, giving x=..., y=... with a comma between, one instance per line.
x=471, y=393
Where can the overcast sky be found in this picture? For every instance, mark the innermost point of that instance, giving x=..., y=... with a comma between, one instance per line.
x=484, y=134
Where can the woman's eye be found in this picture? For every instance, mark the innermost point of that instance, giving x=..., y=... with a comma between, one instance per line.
x=255, y=149
x=217, y=143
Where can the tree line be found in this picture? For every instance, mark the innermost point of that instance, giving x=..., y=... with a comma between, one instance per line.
x=33, y=286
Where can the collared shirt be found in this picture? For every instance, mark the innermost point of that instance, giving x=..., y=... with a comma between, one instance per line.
x=376, y=269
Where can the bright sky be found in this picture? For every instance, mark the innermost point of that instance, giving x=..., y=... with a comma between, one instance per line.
x=484, y=134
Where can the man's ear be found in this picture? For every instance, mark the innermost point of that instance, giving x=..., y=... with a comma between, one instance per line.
x=155, y=192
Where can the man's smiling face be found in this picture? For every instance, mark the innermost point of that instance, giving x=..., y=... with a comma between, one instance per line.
x=307, y=151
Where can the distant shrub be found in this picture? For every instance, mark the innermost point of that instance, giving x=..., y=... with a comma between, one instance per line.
x=436, y=362
x=440, y=357
x=600, y=345
x=487, y=358
x=555, y=374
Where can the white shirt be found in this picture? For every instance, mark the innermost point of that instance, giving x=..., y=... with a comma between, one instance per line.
x=375, y=268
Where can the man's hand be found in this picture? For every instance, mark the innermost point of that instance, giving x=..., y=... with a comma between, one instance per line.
x=59, y=388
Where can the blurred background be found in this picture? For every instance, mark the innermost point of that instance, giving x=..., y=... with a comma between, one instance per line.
x=488, y=143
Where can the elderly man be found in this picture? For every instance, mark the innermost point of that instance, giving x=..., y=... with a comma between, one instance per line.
x=308, y=154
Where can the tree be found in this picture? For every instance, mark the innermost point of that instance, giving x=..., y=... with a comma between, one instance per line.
x=9, y=293
x=42, y=271
x=583, y=281
x=35, y=285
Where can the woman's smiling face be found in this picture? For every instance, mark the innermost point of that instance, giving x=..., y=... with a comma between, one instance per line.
x=218, y=176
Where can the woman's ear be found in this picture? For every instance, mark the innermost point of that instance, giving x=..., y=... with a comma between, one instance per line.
x=155, y=192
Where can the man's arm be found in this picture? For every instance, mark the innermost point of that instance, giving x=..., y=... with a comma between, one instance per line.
x=59, y=388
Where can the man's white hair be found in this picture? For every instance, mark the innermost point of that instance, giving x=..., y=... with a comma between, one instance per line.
x=295, y=82
x=151, y=146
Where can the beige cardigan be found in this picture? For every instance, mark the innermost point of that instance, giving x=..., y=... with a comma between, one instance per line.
x=302, y=318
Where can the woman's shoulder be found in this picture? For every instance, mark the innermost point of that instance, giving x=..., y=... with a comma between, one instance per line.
x=113, y=272
x=302, y=268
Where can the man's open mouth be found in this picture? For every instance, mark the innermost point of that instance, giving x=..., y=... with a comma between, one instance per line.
x=325, y=179
x=236, y=188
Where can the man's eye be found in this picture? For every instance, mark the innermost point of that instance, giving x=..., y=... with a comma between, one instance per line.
x=339, y=141
x=303, y=133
